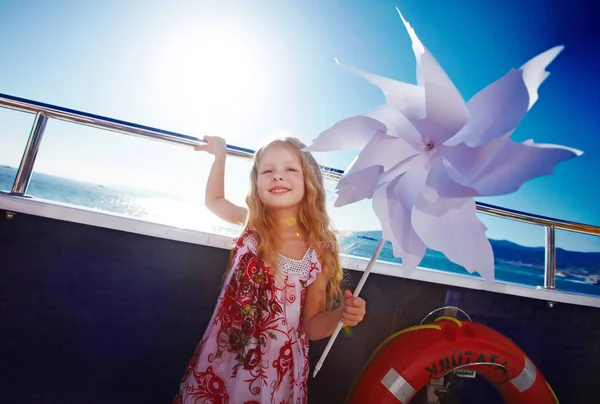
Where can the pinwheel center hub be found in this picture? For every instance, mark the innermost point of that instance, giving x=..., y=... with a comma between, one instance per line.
x=430, y=145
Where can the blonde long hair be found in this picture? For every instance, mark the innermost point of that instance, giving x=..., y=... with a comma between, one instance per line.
x=312, y=218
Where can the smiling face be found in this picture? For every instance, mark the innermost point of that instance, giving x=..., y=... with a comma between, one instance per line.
x=286, y=182
x=280, y=177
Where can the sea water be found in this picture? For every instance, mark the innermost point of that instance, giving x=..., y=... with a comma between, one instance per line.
x=513, y=263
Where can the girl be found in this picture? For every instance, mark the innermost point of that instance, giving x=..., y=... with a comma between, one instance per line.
x=283, y=278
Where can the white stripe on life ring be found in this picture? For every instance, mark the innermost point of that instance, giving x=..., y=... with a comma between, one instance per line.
x=398, y=386
x=527, y=377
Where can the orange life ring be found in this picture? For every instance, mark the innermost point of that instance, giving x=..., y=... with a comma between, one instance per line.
x=409, y=359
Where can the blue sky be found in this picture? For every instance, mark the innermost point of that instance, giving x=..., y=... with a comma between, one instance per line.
x=249, y=70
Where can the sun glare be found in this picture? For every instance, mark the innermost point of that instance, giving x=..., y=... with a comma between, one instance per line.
x=214, y=71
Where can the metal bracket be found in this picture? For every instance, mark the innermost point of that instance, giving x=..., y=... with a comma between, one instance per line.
x=448, y=311
x=437, y=389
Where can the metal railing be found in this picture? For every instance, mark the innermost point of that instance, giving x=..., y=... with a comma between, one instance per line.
x=44, y=111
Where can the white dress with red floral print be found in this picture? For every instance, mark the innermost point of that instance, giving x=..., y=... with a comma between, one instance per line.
x=254, y=349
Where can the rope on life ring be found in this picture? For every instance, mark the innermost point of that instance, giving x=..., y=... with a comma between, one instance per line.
x=409, y=359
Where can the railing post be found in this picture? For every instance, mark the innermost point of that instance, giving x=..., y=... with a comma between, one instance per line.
x=550, y=259
x=29, y=155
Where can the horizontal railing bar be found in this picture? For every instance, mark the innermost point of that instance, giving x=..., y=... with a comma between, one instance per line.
x=115, y=125
x=128, y=128
x=537, y=219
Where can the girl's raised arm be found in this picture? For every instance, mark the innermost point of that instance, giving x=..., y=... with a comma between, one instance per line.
x=215, y=186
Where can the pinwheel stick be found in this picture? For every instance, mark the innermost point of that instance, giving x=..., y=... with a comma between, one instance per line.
x=339, y=326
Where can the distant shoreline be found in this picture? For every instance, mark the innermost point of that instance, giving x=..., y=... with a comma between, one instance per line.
x=367, y=235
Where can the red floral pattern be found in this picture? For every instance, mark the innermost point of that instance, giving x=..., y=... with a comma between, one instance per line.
x=254, y=349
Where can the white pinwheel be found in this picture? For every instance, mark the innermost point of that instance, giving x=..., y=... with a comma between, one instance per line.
x=425, y=154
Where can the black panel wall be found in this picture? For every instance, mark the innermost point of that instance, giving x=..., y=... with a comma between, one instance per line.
x=90, y=315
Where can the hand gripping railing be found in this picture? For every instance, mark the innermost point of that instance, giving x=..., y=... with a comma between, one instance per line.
x=44, y=111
